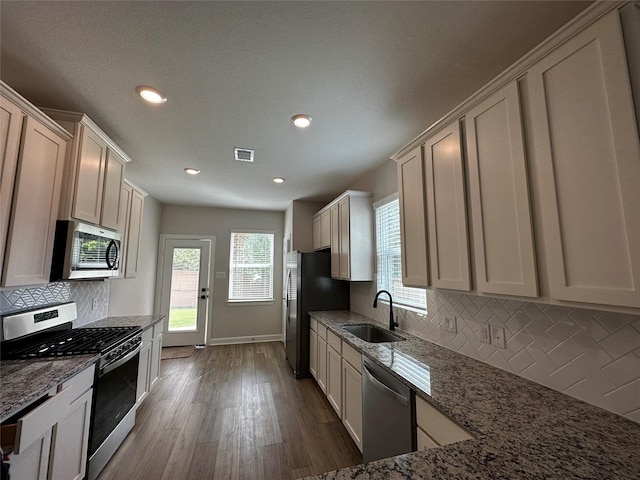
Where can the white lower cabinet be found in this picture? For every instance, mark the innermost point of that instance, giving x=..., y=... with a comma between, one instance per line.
x=52, y=439
x=313, y=350
x=334, y=372
x=435, y=429
x=71, y=437
x=156, y=354
x=150, y=357
x=322, y=358
x=352, y=393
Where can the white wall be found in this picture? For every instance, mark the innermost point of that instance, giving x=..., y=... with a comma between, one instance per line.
x=589, y=354
x=135, y=296
x=232, y=323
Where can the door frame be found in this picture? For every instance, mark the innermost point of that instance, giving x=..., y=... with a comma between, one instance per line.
x=160, y=274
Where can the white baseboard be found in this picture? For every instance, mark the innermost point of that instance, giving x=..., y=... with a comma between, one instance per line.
x=254, y=339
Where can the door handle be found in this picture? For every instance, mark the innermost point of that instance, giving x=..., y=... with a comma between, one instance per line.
x=204, y=297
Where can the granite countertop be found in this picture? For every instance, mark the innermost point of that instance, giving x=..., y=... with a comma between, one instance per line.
x=522, y=429
x=24, y=381
x=144, y=321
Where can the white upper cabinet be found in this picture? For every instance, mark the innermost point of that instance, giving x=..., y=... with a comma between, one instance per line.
x=413, y=228
x=499, y=196
x=586, y=149
x=446, y=210
x=32, y=169
x=94, y=173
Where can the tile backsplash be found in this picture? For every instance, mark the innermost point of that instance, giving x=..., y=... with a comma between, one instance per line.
x=591, y=355
x=81, y=292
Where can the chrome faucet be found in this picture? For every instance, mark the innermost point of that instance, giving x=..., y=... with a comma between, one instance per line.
x=392, y=323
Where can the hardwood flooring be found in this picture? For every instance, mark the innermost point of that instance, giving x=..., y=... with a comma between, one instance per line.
x=233, y=412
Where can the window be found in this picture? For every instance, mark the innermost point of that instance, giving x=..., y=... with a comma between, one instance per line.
x=389, y=263
x=251, y=267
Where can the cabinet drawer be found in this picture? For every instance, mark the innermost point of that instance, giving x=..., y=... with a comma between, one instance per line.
x=157, y=329
x=437, y=425
x=425, y=442
x=334, y=341
x=314, y=325
x=147, y=335
x=352, y=356
x=80, y=383
x=322, y=332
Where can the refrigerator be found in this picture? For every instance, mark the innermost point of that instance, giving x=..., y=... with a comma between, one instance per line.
x=309, y=287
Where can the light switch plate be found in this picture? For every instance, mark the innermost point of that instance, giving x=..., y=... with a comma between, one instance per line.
x=449, y=324
x=221, y=274
x=497, y=336
x=485, y=334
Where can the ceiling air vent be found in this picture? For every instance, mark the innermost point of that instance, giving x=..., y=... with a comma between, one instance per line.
x=243, y=154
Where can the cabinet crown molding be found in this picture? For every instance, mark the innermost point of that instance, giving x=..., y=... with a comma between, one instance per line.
x=348, y=193
x=83, y=119
x=518, y=69
x=32, y=111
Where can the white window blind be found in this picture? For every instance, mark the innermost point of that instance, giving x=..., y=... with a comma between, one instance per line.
x=388, y=256
x=251, y=266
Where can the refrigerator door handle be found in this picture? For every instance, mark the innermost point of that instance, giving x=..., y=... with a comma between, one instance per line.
x=288, y=287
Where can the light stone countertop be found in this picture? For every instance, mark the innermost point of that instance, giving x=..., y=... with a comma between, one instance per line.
x=24, y=381
x=522, y=430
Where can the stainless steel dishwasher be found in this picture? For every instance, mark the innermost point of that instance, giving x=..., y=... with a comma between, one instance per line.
x=388, y=414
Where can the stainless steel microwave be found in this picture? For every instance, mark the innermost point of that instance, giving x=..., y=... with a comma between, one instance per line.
x=83, y=251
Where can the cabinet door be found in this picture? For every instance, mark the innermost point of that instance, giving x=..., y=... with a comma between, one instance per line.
x=413, y=219
x=11, y=120
x=586, y=146
x=334, y=380
x=317, y=233
x=35, y=206
x=87, y=203
x=425, y=442
x=33, y=461
x=499, y=190
x=313, y=354
x=325, y=229
x=352, y=402
x=71, y=441
x=134, y=233
x=144, y=368
x=112, y=213
x=156, y=357
x=345, y=238
x=335, y=241
x=125, y=206
x=446, y=210
x=322, y=364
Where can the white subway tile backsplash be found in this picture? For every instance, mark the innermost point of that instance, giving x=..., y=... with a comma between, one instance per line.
x=622, y=342
x=588, y=354
x=623, y=370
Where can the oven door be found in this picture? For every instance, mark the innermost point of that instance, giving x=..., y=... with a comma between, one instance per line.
x=114, y=397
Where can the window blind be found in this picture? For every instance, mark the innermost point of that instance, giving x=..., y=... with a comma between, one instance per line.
x=389, y=261
x=251, y=266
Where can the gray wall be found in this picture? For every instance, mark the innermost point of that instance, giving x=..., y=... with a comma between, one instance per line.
x=232, y=323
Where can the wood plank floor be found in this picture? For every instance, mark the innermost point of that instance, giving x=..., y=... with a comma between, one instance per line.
x=233, y=412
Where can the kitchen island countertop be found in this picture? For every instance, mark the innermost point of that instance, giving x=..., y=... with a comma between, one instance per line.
x=522, y=429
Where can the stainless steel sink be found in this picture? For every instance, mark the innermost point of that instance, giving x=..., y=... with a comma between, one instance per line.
x=372, y=333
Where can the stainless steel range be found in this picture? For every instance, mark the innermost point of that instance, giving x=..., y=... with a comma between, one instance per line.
x=48, y=332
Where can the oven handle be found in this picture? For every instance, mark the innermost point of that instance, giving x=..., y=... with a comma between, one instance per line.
x=112, y=366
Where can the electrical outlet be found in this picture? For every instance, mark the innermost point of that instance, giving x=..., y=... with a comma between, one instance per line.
x=485, y=335
x=94, y=304
x=497, y=336
x=450, y=324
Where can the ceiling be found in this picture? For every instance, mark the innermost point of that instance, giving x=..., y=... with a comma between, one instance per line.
x=373, y=75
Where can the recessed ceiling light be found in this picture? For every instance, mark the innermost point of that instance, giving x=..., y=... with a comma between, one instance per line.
x=278, y=180
x=192, y=171
x=301, y=120
x=150, y=94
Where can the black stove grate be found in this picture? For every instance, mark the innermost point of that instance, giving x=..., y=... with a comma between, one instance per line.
x=77, y=341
